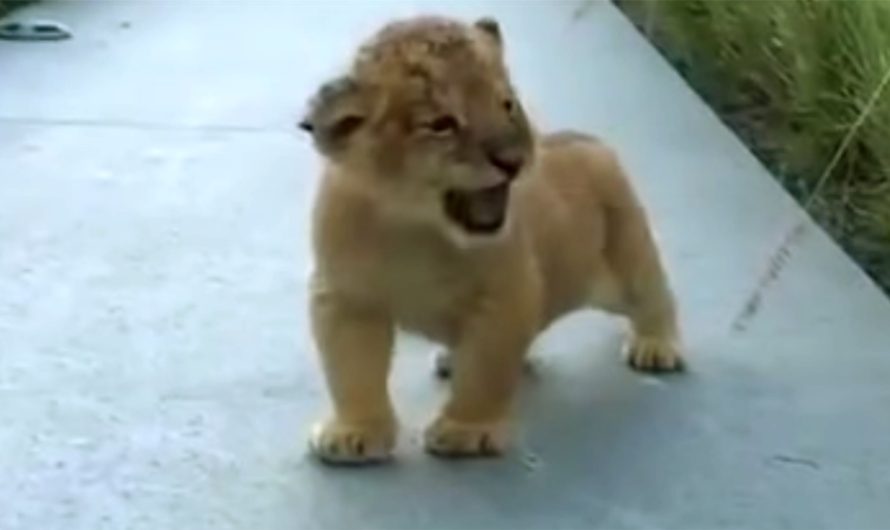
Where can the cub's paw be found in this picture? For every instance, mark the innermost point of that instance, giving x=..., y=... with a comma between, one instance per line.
x=654, y=354
x=450, y=438
x=338, y=443
x=443, y=363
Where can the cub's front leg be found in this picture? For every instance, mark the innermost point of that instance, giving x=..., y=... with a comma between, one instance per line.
x=355, y=342
x=486, y=371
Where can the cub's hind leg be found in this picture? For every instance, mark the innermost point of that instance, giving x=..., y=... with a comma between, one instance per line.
x=634, y=284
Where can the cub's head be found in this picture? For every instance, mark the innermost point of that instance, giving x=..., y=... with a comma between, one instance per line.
x=427, y=121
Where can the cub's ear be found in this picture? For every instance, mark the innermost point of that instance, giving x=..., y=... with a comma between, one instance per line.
x=335, y=113
x=490, y=27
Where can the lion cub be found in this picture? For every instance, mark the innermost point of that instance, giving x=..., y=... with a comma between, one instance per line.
x=442, y=212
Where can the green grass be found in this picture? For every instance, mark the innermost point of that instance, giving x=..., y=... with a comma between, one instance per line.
x=8, y=5
x=792, y=77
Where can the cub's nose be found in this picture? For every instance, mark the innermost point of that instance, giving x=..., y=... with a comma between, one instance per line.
x=508, y=162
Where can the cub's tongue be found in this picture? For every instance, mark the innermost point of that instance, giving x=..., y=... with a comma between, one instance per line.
x=478, y=210
x=485, y=207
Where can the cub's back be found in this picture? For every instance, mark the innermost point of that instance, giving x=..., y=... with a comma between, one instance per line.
x=571, y=206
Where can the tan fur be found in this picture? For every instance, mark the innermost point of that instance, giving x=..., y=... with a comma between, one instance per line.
x=387, y=257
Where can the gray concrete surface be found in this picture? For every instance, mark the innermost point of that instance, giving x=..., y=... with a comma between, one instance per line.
x=155, y=371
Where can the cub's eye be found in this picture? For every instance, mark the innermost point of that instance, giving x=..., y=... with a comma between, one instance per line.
x=443, y=124
x=509, y=105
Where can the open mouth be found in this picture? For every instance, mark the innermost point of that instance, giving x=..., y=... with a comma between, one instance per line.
x=481, y=211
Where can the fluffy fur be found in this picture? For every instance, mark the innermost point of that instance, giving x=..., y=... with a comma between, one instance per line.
x=441, y=211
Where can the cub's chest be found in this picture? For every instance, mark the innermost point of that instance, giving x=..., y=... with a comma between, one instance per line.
x=419, y=277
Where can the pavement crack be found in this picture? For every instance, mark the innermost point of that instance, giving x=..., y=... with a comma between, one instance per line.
x=795, y=461
x=145, y=125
